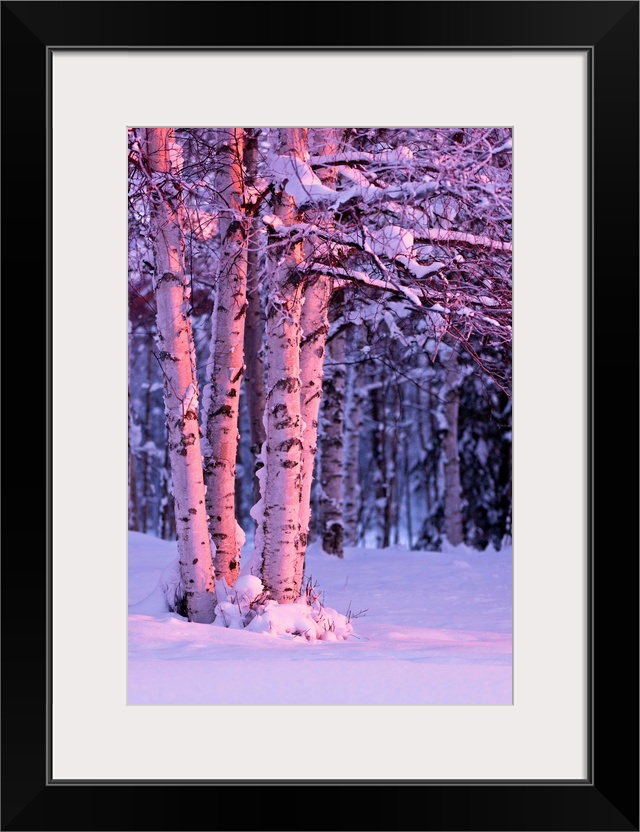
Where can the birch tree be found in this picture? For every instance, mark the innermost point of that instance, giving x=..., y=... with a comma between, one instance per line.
x=282, y=543
x=413, y=227
x=315, y=321
x=133, y=512
x=452, y=488
x=332, y=456
x=352, y=428
x=176, y=357
x=226, y=361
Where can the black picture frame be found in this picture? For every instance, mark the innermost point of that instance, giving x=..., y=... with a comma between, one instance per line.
x=608, y=798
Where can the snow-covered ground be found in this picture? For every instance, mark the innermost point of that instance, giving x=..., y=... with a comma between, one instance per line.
x=437, y=630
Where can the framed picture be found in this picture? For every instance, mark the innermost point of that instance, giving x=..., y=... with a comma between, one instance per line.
x=564, y=76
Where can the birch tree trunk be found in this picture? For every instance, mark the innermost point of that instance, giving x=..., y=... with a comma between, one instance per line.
x=406, y=471
x=254, y=385
x=380, y=474
x=315, y=326
x=332, y=444
x=133, y=521
x=283, y=549
x=352, y=428
x=133, y=486
x=226, y=360
x=146, y=437
x=177, y=359
x=452, y=487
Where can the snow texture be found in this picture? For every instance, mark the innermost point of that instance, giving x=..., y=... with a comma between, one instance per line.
x=436, y=630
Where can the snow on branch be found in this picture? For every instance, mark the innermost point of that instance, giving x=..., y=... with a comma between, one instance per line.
x=445, y=236
x=396, y=157
x=368, y=193
x=304, y=186
x=367, y=280
x=300, y=181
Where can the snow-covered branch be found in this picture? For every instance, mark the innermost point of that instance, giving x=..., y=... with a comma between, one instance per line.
x=443, y=235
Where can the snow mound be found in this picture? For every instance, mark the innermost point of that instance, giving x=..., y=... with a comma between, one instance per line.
x=248, y=587
x=248, y=606
x=312, y=622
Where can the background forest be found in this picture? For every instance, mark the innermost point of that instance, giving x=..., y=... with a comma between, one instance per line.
x=340, y=307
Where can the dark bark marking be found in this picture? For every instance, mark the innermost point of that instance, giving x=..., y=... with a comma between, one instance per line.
x=288, y=444
x=242, y=311
x=168, y=276
x=291, y=385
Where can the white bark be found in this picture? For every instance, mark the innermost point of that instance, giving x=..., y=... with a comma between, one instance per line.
x=177, y=358
x=315, y=326
x=452, y=487
x=352, y=427
x=283, y=550
x=332, y=447
x=226, y=360
x=133, y=523
x=382, y=476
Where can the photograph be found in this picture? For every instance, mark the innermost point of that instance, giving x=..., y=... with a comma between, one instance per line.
x=319, y=415
x=295, y=550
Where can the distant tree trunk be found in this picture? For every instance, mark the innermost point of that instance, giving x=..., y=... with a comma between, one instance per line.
x=176, y=356
x=332, y=444
x=406, y=471
x=254, y=385
x=166, y=513
x=434, y=484
x=283, y=549
x=133, y=521
x=133, y=487
x=226, y=360
x=452, y=487
x=244, y=467
x=381, y=484
x=146, y=437
x=430, y=535
x=393, y=503
x=352, y=428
